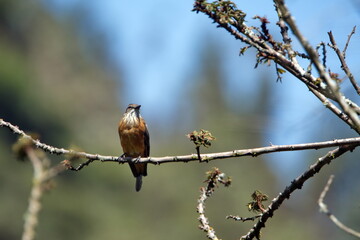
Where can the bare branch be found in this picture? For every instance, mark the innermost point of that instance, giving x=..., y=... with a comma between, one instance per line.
x=295, y=184
x=185, y=158
x=341, y=57
x=348, y=41
x=324, y=209
x=42, y=174
x=204, y=222
x=34, y=207
x=323, y=46
x=68, y=165
x=214, y=178
x=237, y=218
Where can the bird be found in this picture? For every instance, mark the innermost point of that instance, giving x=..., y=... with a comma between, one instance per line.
x=135, y=141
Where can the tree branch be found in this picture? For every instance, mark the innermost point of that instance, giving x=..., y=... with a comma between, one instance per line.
x=295, y=184
x=34, y=207
x=341, y=56
x=238, y=218
x=42, y=174
x=353, y=142
x=324, y=209
x=282, y=53
x=204, y=222
x=213, y=179
x=348, y=41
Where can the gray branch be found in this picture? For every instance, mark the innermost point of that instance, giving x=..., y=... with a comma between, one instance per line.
x=323, y=208
x=353, y=142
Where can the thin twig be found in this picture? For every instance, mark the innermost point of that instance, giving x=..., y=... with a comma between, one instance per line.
x=295, y=184
x=68, y=165
x=213, y=179
x=323, y=46
x=323, y=208
x=204, y=222
x=283, y=29
x=237, y=218
x=348, y=41
x=344, y=65
x=278, y=73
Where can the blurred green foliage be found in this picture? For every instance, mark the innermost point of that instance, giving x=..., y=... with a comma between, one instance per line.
x=50, y=84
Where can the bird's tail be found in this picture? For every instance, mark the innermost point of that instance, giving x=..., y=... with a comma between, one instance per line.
x=138, y=183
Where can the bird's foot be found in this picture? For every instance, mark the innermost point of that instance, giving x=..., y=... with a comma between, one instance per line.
x=137, y=160
x=121, y=158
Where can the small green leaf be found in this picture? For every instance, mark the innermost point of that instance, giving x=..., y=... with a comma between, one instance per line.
x=243, y=50
x=280, y=70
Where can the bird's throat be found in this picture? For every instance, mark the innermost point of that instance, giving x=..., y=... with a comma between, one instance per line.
x=131, y=119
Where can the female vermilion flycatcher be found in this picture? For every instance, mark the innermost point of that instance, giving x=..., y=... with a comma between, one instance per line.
x=135, y=141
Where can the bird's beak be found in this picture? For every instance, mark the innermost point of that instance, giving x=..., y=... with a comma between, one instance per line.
x=138, y=107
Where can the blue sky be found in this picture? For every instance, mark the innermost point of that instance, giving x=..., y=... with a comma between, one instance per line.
x=158, y=45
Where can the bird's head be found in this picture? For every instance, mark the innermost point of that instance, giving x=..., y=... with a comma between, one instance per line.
x=132, y=114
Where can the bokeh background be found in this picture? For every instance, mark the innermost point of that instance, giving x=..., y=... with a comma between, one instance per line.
x=68, y=69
